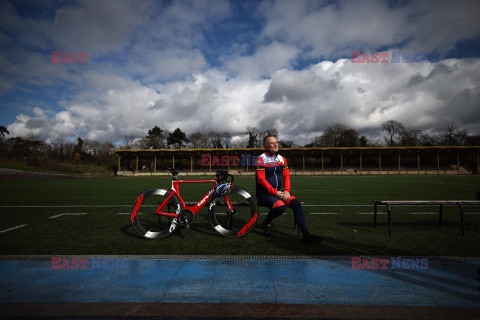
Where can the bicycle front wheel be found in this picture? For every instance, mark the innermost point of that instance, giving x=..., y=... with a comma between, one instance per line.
x=235, y=214
x=146, y=221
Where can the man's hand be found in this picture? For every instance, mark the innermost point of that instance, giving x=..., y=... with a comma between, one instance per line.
x=279, y=194
x=283, y=195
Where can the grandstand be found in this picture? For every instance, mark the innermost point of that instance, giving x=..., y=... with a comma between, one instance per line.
x=431, y=160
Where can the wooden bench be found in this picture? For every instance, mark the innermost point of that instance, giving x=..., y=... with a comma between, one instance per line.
x=440, y=203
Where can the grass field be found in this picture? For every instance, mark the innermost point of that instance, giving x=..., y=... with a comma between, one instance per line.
x=90, y=216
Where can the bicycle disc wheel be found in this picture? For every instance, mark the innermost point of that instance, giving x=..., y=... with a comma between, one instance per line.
x=144, y=219
x=236, y=222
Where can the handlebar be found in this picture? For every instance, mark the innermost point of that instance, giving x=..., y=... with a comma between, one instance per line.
x=174, y=172
x=223, y=175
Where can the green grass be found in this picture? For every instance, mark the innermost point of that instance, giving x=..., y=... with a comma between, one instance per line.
x=14, y=164
x=58, y=167
x=103, y=231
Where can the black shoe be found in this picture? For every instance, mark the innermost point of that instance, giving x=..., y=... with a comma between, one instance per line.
x=311, y=238
x=267, y=228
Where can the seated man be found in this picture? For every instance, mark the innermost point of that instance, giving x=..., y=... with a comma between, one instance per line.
x=271, y=170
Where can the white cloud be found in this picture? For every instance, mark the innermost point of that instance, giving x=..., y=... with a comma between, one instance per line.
x=156, y=63
x=264, y=62
x=326, y=29
x=294, y=102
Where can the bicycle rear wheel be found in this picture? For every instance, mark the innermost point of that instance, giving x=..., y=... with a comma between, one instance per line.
x=237, y=220
x=149, y=224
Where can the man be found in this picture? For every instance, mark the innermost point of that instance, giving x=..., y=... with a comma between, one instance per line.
x=272, y=168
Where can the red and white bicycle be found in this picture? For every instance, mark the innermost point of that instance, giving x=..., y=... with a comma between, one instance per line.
x=232, y=210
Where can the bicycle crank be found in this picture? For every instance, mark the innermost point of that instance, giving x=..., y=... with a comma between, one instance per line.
x=185, y=217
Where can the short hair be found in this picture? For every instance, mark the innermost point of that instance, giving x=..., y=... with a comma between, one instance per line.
x=266, y=137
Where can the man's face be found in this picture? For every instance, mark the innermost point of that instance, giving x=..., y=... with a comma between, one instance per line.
x=271, y=145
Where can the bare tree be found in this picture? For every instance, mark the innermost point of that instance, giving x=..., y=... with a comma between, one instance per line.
x=410, y=137
x=130, y=142
x=226, y=139
x=252, y=134
x=215, y=140
x=452, y=135
x=393, y=129
x=285, y=144
x=198, y=140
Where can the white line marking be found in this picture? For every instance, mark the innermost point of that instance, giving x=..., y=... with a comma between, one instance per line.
x=337, y=205
x=20, y=226
x=471, y=213
x=72, y=206
x=129, y=205
x=323, y=213
x=423, y=212
x=68, y=214
x=320, y=190
x=124, y=213
x=372, y=213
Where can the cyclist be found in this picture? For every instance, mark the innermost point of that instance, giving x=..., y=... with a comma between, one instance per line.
x=272, y=169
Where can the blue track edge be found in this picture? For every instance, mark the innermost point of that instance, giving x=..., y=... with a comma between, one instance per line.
x=403, y=281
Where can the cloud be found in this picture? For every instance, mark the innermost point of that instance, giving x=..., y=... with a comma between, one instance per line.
x=295, y=102
x=210, y=65
x=326, y=29
x=264, y=62
x=365, y=95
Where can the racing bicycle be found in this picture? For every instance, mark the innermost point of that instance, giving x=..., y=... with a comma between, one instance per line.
x=232, y=210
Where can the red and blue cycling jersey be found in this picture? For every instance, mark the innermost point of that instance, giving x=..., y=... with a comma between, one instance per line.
x=272, y=173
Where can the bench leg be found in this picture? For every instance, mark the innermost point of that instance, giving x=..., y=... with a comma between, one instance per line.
x=462, y=219
x=389, y=221
x=440, y=216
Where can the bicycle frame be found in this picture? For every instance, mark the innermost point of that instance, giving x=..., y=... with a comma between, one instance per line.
x=175, y=190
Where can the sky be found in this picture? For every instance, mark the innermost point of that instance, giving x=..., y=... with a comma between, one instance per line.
x=226, y=65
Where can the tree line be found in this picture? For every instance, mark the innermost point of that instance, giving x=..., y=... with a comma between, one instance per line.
x=395, y=134
x=80, y=151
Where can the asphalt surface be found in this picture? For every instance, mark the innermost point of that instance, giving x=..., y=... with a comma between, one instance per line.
x=93, y=287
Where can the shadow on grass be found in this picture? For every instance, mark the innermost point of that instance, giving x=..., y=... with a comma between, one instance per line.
x=426, y=225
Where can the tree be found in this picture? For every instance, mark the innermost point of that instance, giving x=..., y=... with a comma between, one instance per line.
x=79, y=146
x=451, y=135
x=336, y=135
x=252, y=135
x=393, y=129
x=177, y=138
x=363, y=141
x=155, y=139
x=410, y=138
x=285, y=144
x=226, y=139
x=215, y=140
x=3, y=131
x=130, y=142
x=198, y=140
